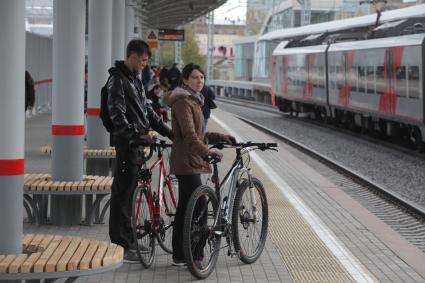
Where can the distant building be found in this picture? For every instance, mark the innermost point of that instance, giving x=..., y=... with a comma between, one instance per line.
x=39, y=16
x=225, y=32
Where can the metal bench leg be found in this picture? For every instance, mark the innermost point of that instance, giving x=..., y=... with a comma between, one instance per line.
x=92, y=213
x=89, y=209
x=30, y=208
x=105, y=208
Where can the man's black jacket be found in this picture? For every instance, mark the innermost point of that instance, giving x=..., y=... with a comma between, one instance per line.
x=129, y=112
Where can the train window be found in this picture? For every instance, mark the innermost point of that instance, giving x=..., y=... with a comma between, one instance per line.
x=401, y=89
x=370, y=79
x=361, y=72
x=413, y=77
x=353, y=78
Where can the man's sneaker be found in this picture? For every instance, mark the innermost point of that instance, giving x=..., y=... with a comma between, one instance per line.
x=178, y=262
x=131, y=257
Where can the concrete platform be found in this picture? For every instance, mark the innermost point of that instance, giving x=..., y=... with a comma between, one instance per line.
x=317, y=233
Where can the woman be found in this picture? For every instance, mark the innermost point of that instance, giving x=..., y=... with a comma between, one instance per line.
x=190, y=145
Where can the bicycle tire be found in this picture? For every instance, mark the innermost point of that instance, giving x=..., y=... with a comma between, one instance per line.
x=168, y=212
x=141, y=222
x=201, y=261
x=249, y=244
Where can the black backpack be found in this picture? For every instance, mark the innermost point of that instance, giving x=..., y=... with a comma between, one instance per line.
x=104, y=113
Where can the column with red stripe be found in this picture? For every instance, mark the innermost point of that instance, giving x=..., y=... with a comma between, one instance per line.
x=68, y=106
x=99, y=61
x=12, y=124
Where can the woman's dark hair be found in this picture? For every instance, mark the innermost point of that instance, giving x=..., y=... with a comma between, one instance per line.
x=187, y=70
x=139, y=47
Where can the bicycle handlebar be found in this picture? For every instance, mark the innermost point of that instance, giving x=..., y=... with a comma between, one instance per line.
x=156, y=145
x=261, y=146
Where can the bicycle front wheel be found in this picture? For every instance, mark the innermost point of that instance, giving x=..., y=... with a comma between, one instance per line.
x=250, y=221
x=202, y=232
x=142, y=225
x=168, y=211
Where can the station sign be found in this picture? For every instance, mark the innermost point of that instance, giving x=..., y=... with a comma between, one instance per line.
x=171, y=34
x=151, y=37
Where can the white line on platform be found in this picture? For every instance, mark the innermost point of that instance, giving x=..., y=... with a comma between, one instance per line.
x=348, y=260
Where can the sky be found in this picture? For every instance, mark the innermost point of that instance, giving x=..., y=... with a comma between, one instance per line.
x=231, y=9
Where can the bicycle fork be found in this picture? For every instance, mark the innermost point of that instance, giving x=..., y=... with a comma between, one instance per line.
x=253, y=199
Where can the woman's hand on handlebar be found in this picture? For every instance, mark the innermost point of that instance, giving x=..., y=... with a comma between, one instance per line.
x=215, y=154
x=229, y=139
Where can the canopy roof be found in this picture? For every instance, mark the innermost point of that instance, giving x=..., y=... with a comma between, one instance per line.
x=172, y=13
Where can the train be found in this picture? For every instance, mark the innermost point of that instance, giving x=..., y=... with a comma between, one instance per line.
x=369, y=78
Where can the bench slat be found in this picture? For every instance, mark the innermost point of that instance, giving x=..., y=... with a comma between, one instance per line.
x=98, y=256
x=34, y=243
x=41, y=262
x=96, y=184
x=48, y=186
x=66, y=257
x=68, y=186
x=26, y=241
x=15, y=266
x=109, y=255
x=86, y=260
x=44, y=243
x=28, y=265
x=119, y=254
x=78, y=255
x=103, y=185
x=53, y=260
x=4, y=264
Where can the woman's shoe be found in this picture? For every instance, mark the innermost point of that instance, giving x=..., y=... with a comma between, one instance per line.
x=178, y=262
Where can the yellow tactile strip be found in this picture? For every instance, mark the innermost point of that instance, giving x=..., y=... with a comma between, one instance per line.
x=307, y=258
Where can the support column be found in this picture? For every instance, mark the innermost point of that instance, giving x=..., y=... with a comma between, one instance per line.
x=210, y=46
x=129, y=23
x=118, y=30
x=68, y=105
x=99, y=57
x=12, y=124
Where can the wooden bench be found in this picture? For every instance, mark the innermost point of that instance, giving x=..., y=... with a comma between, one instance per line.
x=53, y=256
x=38, y=186
x=88, y=153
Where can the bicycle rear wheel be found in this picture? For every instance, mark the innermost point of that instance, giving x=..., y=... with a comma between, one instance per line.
x=142, y=224
x=249, y=227
x=201, y=234
x=168, y=211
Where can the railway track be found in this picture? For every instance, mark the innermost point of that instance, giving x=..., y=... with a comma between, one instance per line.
x=403, y=215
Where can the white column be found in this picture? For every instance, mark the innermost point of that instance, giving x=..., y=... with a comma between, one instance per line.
x=12, y=124
x=118, y=30
x=68, y=105
x=129, y=23
x=99, y=61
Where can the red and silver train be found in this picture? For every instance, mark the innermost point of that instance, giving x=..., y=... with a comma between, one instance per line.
x=375, y=83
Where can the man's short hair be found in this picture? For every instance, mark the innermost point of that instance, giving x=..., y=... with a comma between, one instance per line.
x=139, y=47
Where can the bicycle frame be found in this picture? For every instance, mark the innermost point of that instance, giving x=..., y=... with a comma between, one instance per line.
x=232, y=176
x=157, y=198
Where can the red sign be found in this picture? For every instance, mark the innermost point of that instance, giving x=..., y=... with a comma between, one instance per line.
x=171, y=34
x=152, y=35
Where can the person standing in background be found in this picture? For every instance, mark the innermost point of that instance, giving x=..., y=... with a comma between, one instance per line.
x=29, y=91
x=209, y=104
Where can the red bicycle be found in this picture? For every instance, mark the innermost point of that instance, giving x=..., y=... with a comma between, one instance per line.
x=153, y=210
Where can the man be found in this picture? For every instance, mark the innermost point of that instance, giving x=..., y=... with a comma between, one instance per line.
x=209, y=103
x=174, y=76
x=131, y=118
